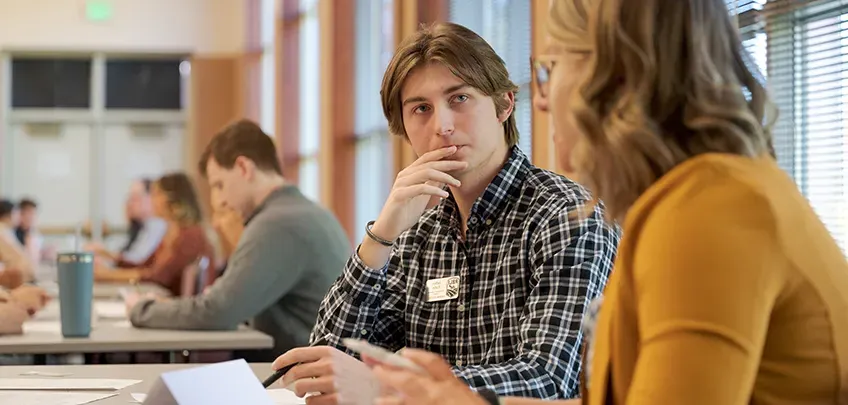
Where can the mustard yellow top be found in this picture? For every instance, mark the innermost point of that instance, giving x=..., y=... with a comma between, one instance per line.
x=727, y=289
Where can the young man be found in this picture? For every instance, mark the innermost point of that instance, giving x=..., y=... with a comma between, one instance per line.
x=496, y=277
x=287, y=257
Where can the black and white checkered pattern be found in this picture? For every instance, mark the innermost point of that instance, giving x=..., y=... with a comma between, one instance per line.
x=528, y=272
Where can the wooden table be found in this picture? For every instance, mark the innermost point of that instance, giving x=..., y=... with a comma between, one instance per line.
x=147, y=373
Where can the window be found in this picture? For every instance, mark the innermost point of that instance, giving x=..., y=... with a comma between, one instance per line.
x=143, y=84
x=374, y=48
x=51, y=83
x=803, y=46
x=310, y=103
x=505, y=24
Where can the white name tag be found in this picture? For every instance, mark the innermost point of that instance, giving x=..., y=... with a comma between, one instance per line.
x=442, y=289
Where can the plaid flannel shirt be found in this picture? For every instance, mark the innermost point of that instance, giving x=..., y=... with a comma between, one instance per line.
x=527, y=273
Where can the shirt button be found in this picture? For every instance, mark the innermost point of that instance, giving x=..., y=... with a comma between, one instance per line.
x=473, y=220
x=488, y=222
x=363, y=332
x=459, y=363
x=377, y=287
x=461, y=307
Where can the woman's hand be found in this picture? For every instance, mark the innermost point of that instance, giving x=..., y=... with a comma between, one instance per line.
x=437, y=387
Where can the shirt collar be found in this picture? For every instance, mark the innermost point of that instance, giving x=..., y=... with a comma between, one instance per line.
x=496, y=198
x=281, y=191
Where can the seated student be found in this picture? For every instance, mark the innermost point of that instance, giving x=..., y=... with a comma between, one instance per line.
x=145, y=232
x=229, y=226
x=728, y=289
x=18, y=267
x=496, y=277
x=26, y=231
x=288, y=255
x=17, y=305
x=185, y=243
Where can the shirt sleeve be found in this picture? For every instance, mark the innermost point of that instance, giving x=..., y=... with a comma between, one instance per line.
x=705, y=286
x=259, y=272
x=146, y=243
x=364, y=303
x=571, y=259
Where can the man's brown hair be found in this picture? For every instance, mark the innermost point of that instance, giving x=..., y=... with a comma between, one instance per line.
x=466, y=54
x=242, y=138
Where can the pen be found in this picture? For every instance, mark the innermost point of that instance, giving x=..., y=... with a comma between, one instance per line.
x=281, y=372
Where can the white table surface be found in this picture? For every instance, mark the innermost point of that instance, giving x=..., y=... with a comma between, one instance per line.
x=148, y=373
x=42, y=335
x=109, y=290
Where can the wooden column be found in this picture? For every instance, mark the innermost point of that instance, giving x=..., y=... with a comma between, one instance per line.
x=337, y=155
x=287, y=131
x=215, y=101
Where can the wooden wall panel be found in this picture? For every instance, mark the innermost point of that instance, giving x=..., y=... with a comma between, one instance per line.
x=338, y=142
x=288, y=84
x=216, y=100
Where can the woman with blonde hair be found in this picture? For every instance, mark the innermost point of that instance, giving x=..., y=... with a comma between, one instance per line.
x=185, y=242
x=727, y=288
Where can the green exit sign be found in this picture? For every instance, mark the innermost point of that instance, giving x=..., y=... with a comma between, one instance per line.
x=98, y=10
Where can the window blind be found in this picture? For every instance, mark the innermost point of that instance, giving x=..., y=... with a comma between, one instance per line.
x=505, y=25
x=802, y=48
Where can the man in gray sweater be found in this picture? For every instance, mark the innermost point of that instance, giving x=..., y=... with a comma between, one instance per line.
x=289, y=254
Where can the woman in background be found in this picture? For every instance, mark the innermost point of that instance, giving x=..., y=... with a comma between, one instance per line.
x=727, y=288
x=185, y=242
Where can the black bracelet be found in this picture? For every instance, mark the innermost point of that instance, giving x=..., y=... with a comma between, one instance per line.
x=376, y=238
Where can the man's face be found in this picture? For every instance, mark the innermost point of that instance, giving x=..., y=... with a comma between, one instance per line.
x=231, y=188
x=138, y=202
x=28, y=217
x=440, y=110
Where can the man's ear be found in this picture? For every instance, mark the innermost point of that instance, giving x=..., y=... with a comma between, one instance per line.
x=246, y=168
x=510, y=98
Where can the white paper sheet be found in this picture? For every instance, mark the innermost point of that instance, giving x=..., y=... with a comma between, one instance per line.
x=138, y=397
x=282, y=396
x=43, y=327
x=64, y=384
x=51, y=398
x=110, y=309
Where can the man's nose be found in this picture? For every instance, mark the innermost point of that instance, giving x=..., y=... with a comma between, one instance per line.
x=443, y=118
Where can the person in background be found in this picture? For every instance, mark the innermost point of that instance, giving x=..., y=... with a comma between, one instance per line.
x=728, y=289
x=18, y=266
x=229, y=226
x=496, y=277
x=185, y=243
x=27, y=232
x=146, y=230
x=287, y=256
x=19, y=304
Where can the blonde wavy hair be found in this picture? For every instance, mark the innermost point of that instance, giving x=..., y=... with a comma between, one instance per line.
x=666, y=81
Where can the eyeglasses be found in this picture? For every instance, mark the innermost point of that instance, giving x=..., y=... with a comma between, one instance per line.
x=541, y=74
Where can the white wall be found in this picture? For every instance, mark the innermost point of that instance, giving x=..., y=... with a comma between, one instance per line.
x=202, y=26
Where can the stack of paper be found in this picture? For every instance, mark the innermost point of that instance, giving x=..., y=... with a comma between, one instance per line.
x=59, y=391
x=51, y=397
x=91, y=384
